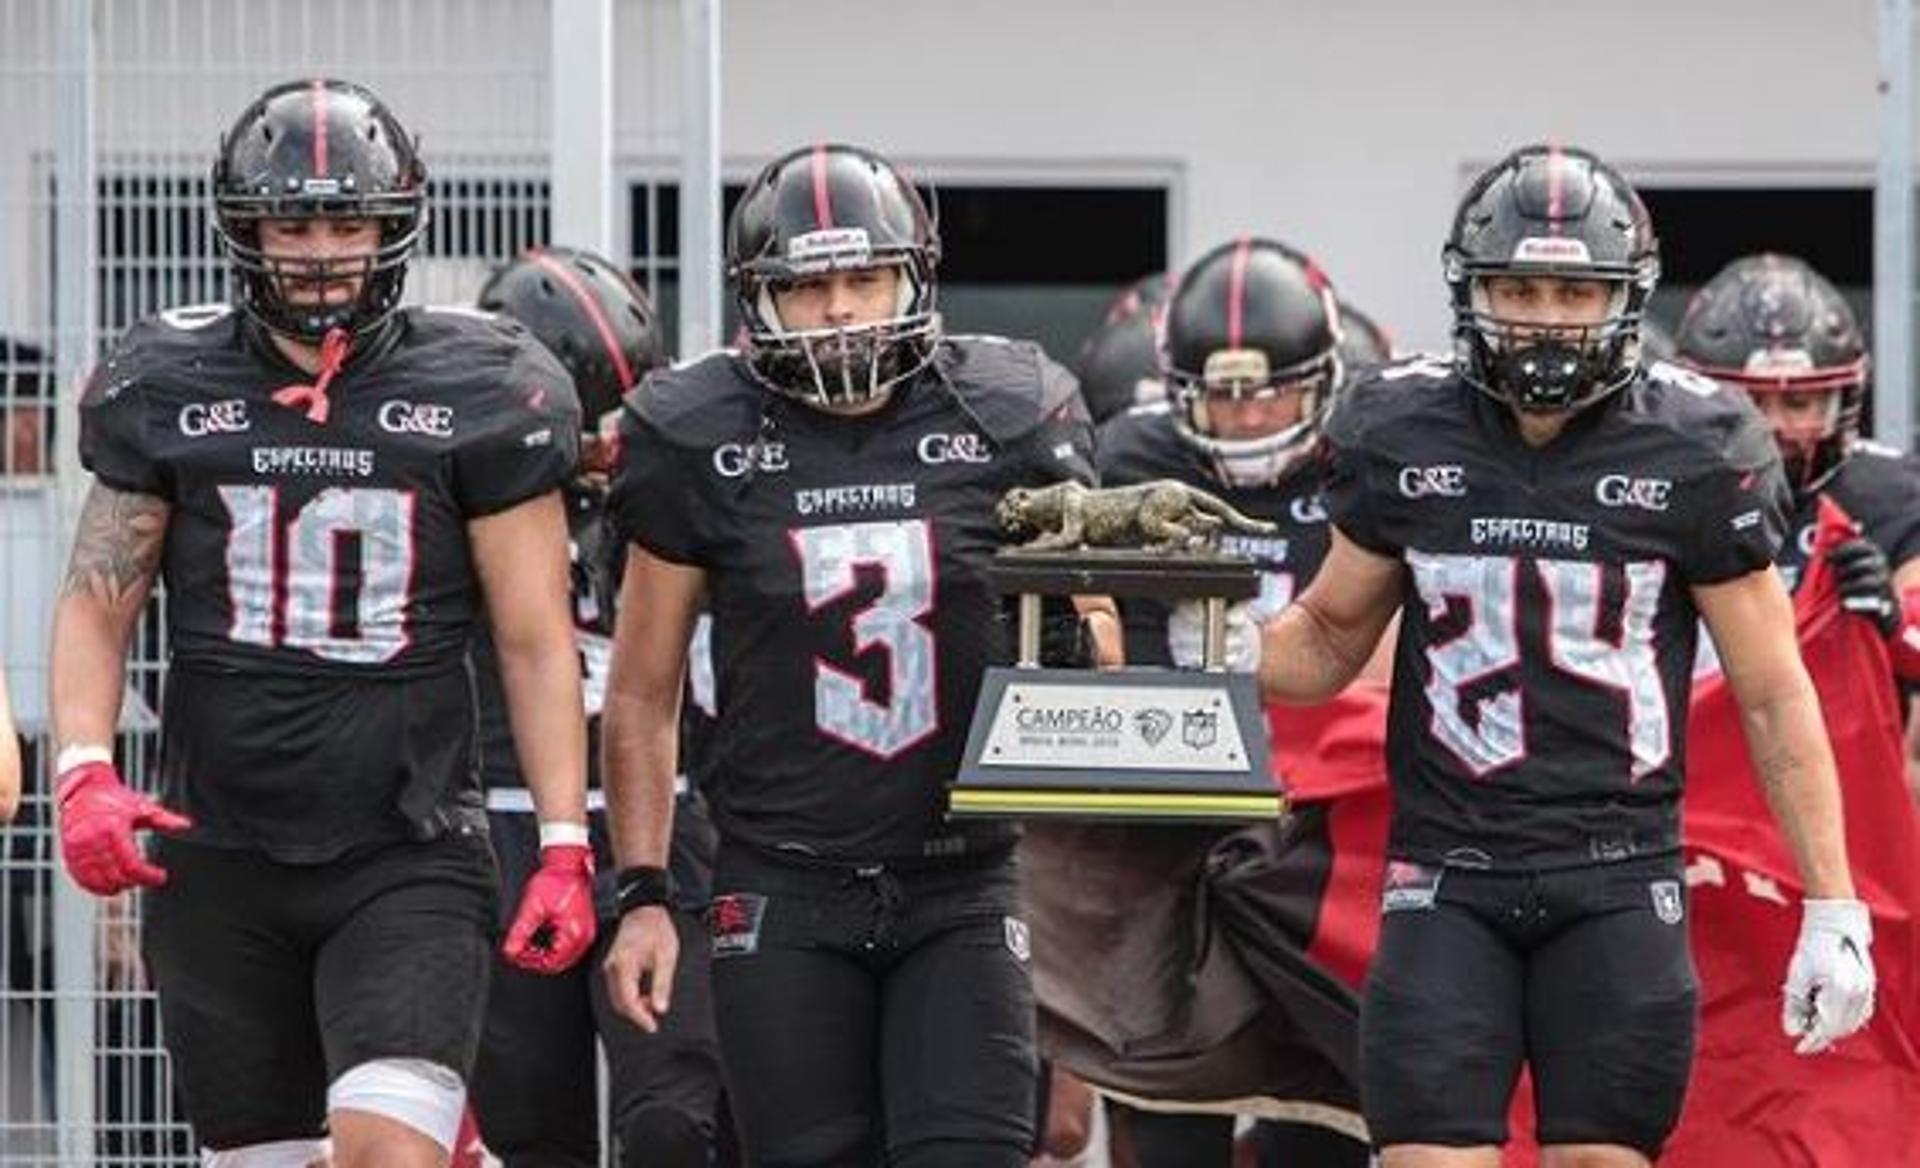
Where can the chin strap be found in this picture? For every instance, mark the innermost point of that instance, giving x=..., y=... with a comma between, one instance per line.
x=333, y=354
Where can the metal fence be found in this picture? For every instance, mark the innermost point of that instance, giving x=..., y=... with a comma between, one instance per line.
x=113, y=111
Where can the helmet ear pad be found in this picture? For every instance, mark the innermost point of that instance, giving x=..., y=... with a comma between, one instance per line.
x=1550, y=211
x=321, y=149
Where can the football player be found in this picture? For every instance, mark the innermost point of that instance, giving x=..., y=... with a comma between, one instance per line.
x=830, y=488
x=534, y=1088
x=1119, y=363
x=331, y=488
x=1777, y=329
x=1252, y=356
x=1557, y=520
x=1363, y=342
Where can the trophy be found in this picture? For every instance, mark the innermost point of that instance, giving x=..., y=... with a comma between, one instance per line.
x=1134, y=744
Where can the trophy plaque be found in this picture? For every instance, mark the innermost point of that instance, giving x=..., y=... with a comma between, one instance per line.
x=1133, y=744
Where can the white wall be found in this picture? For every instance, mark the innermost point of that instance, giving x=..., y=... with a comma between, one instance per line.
x=1344, y=126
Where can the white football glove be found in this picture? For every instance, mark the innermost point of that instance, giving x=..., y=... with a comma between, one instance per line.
x=1187, y=631
x=1829, y=990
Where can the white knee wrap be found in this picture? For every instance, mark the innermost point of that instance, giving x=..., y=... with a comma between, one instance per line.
x=426, y=1096
x=279, y=1154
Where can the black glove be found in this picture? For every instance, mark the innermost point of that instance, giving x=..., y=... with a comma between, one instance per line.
x=1866, y=583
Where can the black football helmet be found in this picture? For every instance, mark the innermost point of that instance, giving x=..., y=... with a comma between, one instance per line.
x=589, y=312
x=318, y=149
x=1772, y=324
x=829, y=208
x=1550, y=211
x=1119, y=362
x=1362, y=341
x=1252, y=318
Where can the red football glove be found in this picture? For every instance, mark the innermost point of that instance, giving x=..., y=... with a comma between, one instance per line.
x=98, y=816
x=554, y=925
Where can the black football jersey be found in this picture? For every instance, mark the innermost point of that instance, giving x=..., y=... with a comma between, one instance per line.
x=320, y=593
x=1141, y=445
x=846, y=562
x=1542, y=676
x=1880, y=489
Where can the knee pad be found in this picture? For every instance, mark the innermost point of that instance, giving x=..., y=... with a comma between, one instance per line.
x=663, y=1137
x=278, y=1154
x=425, y=1096
x=959, y=1154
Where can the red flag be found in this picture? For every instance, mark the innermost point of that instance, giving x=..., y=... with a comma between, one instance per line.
x=1752, y=1101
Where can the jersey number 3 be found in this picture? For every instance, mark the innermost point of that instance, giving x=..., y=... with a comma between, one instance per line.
x=895, y=622
x=359, y=618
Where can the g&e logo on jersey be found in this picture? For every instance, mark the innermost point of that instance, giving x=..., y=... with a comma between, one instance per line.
x=198, y=419
x=731, y=459
x=405, y=417
x=1621, y=491
x=935, y=449
x=1420, y=482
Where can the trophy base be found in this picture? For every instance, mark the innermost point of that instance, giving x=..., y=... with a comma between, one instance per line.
x=1122, y=806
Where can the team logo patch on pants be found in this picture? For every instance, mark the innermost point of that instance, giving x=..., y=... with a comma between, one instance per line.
x=1667, y=902
x=1409, y=887
x=733, y=921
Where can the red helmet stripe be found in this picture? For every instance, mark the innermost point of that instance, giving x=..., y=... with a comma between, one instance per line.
x=1237, y=290
x=591, y=307
x=319, y=129
x=822, y=205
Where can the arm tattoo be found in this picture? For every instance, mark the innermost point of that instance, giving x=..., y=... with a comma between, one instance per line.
x=116, y=550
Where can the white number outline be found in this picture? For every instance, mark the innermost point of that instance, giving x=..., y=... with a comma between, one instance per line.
x=1486, y=646
x=895, y=621
x=290, y=603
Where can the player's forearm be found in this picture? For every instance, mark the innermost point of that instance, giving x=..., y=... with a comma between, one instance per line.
x=1102, y=619
x=542, y=685
x=640, y=743
x=1788, y=743
x=89, y=670
x=1304, y=659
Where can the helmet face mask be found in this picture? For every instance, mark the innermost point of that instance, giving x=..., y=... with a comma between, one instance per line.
x=1251, y=328
x=1776, y=329
x=318, y=150
x=810, y=217
x=1545, y=211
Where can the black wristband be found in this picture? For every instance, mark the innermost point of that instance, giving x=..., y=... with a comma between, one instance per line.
x=639, y=887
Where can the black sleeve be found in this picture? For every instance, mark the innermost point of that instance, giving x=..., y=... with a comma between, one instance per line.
x=1890, y=513
x=652, y=502
x=114, y=440
x=527, y=441
x=1348, y=492
x=1739, y=506
x=1061, y=445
